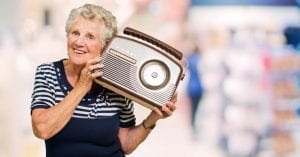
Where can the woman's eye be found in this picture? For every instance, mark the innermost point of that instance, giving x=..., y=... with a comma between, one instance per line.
x=90, y=36
x=75, y=33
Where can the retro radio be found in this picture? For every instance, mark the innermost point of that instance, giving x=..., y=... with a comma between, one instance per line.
x=141, y=68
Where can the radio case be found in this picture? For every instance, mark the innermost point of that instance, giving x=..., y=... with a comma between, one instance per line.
x=141, y=68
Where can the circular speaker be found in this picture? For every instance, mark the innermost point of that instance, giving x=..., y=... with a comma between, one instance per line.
x=154, y=74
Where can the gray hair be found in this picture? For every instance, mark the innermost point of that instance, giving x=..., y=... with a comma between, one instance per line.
x=91, y=12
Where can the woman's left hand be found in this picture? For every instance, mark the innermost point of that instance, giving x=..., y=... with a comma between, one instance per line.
x=167, y=109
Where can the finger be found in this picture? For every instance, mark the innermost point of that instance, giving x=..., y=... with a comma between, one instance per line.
x=171, y=106
x=95, y=67
x=93, y=61
x=96, y=60
x=157, y=111
x=166, y=110
x=96, y=74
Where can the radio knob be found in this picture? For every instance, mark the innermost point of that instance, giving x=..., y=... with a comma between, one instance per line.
x=182, y=77
x=154, y=74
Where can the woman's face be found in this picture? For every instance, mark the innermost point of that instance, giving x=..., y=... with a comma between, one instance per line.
x=84, y=40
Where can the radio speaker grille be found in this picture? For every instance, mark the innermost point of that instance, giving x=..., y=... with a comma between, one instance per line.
x=125, y=74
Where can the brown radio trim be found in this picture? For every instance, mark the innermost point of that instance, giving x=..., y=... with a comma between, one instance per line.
x=154, y=41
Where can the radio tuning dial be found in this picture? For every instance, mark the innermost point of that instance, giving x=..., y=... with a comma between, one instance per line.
x=154, y=74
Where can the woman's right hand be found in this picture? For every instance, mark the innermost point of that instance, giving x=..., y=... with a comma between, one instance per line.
x=92, y=70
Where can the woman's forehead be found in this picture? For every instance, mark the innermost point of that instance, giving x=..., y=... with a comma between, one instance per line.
x=87, y=23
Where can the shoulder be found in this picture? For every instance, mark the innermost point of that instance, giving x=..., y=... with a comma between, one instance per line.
x=47, y=66
x=47, y=71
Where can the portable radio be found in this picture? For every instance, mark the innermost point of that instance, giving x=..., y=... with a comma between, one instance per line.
x=141, y=68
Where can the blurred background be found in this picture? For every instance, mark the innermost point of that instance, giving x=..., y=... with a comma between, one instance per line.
x=245, y=59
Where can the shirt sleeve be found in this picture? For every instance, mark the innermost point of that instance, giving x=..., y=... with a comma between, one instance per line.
x=127, y=117
x=42, y=95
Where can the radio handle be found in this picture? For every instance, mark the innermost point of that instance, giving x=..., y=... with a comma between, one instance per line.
x=152, y=40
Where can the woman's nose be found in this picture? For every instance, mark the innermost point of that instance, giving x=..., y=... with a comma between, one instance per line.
x=79, y=40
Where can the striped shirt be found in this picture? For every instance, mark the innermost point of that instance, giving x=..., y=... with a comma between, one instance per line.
x=51, y=86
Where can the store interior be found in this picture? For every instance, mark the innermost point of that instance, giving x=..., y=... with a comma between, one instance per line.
x=249, y=69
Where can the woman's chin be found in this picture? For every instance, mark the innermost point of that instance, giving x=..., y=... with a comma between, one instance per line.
x=78, y=61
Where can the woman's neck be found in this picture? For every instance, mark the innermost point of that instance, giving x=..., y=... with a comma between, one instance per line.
x=72, y=72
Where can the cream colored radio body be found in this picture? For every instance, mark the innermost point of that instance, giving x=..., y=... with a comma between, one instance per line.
x=141, y=68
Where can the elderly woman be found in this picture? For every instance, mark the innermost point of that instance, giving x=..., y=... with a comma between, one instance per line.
x=75, y=116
